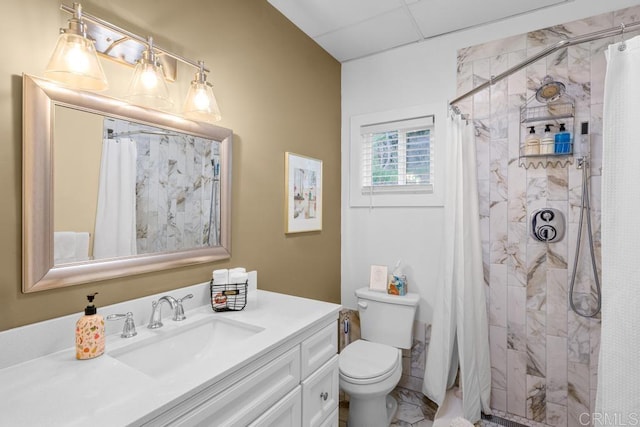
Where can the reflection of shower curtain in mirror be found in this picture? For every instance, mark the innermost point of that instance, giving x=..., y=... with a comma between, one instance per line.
x=115, y=232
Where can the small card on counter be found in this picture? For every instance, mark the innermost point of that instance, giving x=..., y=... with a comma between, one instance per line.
x=378, y=278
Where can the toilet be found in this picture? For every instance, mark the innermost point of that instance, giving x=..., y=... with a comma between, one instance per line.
x=371, y=367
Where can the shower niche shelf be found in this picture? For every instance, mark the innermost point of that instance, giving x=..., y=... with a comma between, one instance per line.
x=537, y=114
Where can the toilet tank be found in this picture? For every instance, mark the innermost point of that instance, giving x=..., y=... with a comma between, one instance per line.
x=387, y=319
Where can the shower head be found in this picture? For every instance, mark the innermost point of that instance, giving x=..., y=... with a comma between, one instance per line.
x=550, y=90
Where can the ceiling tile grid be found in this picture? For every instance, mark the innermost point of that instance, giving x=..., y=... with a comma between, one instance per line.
x=350, y=29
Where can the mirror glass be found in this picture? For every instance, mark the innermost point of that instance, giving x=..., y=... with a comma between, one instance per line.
x=112, y=189
x=137, y=189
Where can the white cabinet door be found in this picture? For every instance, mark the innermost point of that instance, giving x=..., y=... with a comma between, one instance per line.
x=332, y=420
x=320, y=394
x=286, y=413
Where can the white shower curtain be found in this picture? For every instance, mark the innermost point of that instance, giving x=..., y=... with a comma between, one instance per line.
x=618, y=394
x=115, y=232
x=459, y=331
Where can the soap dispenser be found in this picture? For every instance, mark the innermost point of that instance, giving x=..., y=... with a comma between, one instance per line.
x=562, y=141
x=547, y=143
x=90, y=332
x=532, y=144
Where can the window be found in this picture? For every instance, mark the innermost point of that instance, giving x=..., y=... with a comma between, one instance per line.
x=396, y=156
x=392, y=158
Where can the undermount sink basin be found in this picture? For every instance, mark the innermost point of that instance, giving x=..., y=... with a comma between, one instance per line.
x=170, y=350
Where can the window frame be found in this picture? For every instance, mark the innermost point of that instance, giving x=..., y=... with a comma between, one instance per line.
x=402, y=129
x=398, y=195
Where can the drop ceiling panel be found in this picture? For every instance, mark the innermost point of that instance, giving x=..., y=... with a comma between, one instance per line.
x=349, y=29
x=436, y=17
x=317, y=17
x=374, y=35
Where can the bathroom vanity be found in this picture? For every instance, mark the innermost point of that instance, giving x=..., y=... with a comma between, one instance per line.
x=273, y=363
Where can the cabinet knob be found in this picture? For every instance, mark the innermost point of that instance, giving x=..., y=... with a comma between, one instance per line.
x=324, y=395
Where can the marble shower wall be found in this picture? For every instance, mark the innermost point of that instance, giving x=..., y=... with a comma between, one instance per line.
x=174, y=192
x=543, y=356
x=174, y=187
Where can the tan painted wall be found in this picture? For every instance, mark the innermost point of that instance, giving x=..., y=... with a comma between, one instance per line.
x=75, y=182
x=277, y=90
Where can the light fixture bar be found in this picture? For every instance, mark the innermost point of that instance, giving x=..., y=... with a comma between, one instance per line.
x=148, y=87
x=133, y=36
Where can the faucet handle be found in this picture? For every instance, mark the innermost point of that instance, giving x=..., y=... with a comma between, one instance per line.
x=179, y=313
x=129, y=329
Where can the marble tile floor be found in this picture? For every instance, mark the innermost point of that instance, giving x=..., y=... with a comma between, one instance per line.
x=414, y=410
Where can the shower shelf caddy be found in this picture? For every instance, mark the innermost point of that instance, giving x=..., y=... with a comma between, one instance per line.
x=534, y=113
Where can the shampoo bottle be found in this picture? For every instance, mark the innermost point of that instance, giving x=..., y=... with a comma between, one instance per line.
x=532, y=145
x=547, y=143
x=90, y=332
x=562, y=141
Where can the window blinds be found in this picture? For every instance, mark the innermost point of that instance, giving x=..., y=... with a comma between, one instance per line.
x=397, y=156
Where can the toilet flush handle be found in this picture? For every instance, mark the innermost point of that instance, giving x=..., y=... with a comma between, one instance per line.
x=362, y=304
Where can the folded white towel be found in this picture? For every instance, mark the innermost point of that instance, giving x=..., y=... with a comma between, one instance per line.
x=64, y=246
x=82, y=246
x=69, y=246
x=237, y=270
x=238, y=277
x=221, y=277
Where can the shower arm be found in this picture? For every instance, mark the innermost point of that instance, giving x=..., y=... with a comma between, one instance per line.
x=585, y=38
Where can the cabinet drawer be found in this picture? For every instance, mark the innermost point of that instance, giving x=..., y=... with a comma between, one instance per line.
x=286, y=413
x=320, y=394
x=250, y=397
x=319, y=348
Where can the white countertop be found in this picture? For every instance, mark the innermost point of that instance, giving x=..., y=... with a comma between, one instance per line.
x=55, y=389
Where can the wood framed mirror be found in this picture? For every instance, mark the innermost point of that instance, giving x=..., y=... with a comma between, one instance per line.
x=195, y=212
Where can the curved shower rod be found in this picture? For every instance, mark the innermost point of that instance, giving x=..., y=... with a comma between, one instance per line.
x=614, y=31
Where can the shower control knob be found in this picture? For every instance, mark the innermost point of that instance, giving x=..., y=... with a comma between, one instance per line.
x=547, y=225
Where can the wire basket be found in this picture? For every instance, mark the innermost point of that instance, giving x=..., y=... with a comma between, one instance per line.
x=228, y=297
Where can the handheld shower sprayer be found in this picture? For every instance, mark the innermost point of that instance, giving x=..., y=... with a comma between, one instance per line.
x=581, y=151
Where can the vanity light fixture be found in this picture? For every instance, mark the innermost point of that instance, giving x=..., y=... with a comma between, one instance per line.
x=74, y=61
x=148, y=87
x=201, y=103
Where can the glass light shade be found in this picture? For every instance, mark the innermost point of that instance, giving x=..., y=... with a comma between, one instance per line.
x=75, y=63
x=148, y=87
x=201, y=103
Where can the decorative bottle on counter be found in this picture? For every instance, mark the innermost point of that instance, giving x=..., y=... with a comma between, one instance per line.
x=90, y=332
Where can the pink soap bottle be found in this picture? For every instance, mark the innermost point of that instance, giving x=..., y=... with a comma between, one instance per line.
x=90, y=332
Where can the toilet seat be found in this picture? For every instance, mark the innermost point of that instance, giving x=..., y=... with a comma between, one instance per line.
x=364, y=362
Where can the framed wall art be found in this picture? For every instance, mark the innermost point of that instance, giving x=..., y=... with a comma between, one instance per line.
x=303, y=193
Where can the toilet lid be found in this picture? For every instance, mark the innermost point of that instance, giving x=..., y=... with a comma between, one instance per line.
x=363, y=359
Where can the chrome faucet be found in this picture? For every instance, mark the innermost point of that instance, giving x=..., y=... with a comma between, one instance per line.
x=156, y=311
x=178, y=313
x=175, y=304
x=129, y=328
